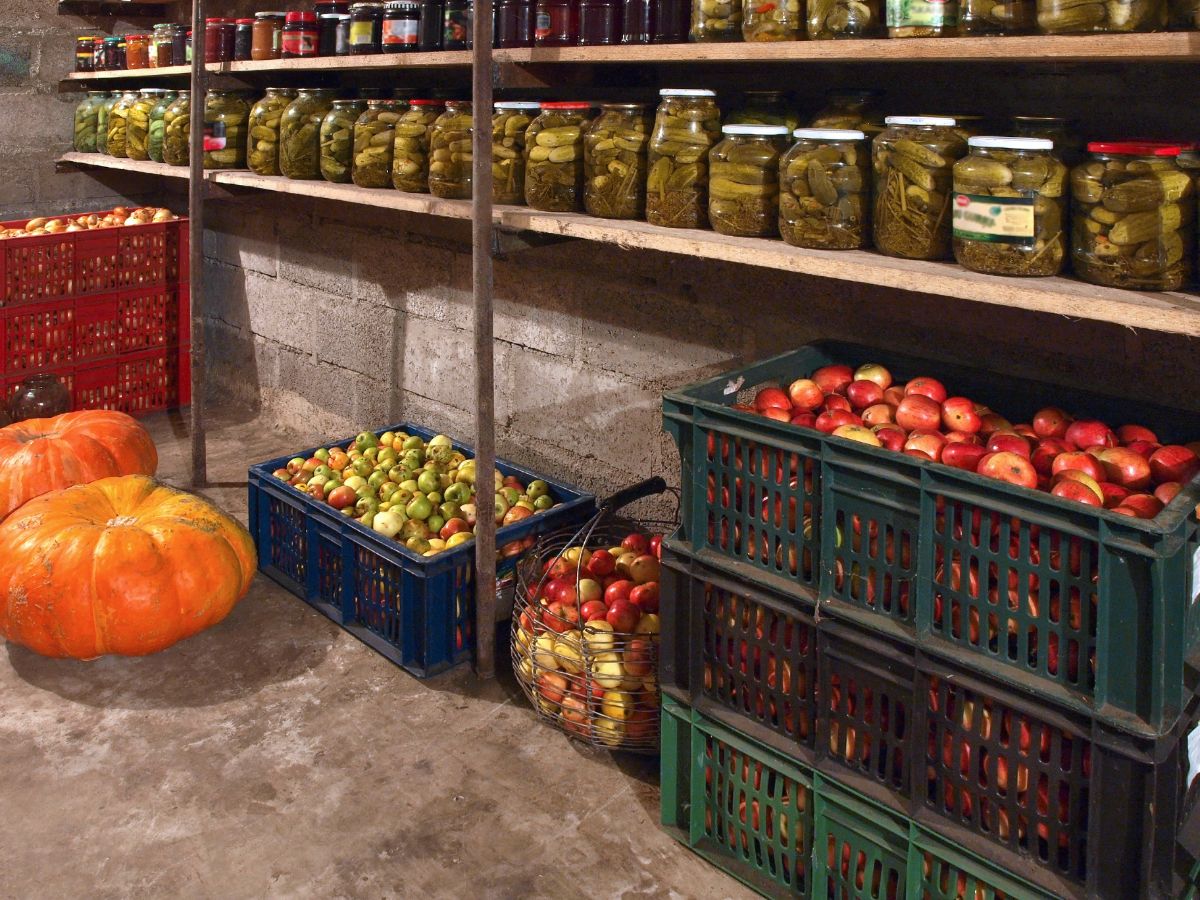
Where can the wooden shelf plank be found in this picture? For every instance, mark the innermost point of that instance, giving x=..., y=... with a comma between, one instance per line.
x=132, y=74
x=99, y=160
x=383, y=198
x=460, y=58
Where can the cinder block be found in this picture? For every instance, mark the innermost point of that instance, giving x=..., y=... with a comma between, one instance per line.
x=358, y=335
x=417, y=278
x=282, y=312
x=322, y=259
x=239, y=237
x=17, y=57
x=41, y=121
x=438, y=363
x=540, y=308
x=325, y=388
x=225, y=295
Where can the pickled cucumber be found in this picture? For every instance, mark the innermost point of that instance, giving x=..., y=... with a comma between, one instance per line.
x=118, y=124
x=509, y=123
x=716, y=20
x=87, y=114
x=226, y=114
x=554, y=159
x=824, y=192
x=262, y=155
x=773, y=20
x=176, y=129
x=300, y=133
x=913, y=180
x=410, y=147
x=614, y=162
x=374, y=137
x=137, y=130
x=676, y=183
x=154, y=138
x=1100, y=16
x=743, y=185
x=835, y=19
x=450, y=155
x=337, y=139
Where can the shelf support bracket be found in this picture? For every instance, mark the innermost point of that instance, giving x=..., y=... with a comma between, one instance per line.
x=197, y=189
x=508, y=242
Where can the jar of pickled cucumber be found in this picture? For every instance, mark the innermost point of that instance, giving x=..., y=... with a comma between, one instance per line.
x=764, y=108
x=836, y=19
x=374, y=135
x=154, y=139
x=825, y=190
x=773, y=20
x=993, y=17
x=1010, y=207
x=1183, y=15
x=450, y=152
x=510, y=119
x=716, y=20
x=1132, y=217
x=743, y=180
x=921, y=18
x=337, y=139
x=262, y=154
x=1068, y=146
x=226, y=114
x=914, y=161
x=103, y=109
x=614, y=162
x=850, y=109
x=86, y=115
x=554, y=157
x=1100, y=16
x=176, y=129
x=300, y=133
x=137, y=131
x=410, y=149
x=118, y=124
x=686, y=126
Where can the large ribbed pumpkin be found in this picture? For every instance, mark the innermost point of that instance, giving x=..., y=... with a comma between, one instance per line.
x=122, y=565
x=42, y=455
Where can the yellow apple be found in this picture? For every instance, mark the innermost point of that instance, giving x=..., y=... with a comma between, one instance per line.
x=544, y=656
x=599, y=636
x=607, y=671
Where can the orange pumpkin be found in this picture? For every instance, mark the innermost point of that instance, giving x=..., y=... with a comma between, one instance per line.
x=42, y=455
x=122, y=565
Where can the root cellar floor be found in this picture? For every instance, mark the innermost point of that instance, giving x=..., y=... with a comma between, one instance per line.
x=276, y=756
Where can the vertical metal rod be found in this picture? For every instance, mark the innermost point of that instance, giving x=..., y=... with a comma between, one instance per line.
x=485, y=378
x=199, y=87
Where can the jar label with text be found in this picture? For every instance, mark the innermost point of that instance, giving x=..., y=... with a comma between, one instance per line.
x=214, y=136
x=300, y=43
x=362, y=34
x=922, y=13
x=399, y=32
x=541, y=27
x=994, y=220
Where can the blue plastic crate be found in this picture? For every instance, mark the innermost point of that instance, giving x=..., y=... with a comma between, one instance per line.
x=418, y=611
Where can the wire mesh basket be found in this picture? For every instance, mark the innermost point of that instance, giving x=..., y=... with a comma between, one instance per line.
x=585, y=626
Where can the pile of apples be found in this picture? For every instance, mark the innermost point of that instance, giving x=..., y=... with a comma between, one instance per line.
x=421, y=494
x=585, y=641
x=122, y=215
x=1126, y=470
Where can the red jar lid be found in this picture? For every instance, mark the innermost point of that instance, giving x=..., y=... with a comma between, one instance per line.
x=244, y=21
x=566, y=104
x=426, y=102
x=305, y=18
x=1137, y=148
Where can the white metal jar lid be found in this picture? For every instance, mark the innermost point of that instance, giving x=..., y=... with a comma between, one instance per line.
x=686, y=92
x=518, y=104
x=756, y=130
x=993, y=142
x=829, y=134
x=943, y=121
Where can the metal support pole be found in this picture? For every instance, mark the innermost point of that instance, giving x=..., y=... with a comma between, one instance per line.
x=485, y=378
x=199, y=86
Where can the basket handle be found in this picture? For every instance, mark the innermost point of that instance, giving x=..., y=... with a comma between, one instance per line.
x=625, y=496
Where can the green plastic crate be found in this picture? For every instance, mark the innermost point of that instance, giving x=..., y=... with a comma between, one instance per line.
x=939, y=870
x=861, y=848
x=1080, y=606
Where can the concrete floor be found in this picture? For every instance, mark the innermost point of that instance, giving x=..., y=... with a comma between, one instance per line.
x=276, y=756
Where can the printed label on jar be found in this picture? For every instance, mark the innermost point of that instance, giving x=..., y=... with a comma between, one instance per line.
x=214, y=136
x=541, y=27
x=300, y=43
x=457, y=31
x=399, y=32
x=922, y=13
x=994, y=220
x=361, y=33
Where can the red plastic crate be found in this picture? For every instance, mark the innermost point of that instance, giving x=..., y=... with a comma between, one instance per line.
x=96, y=386
x=149, y=319
x=148, y=381
x=96, y=327
x=37, y=337
x=38, y=268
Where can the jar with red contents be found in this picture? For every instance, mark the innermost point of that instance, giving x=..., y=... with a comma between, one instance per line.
x=300, y=35
x=556, y=23
x=514, y=23
x=218, y=40
x=600, y=22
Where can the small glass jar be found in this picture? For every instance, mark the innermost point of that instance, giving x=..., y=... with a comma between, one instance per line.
x=922, y=18
x=226, y=114
x=161, y=46
x=825, y=190
x=1133, y=217
x=86, y=116
x=514, y=23
x=764, y=108
x=321, y=7
x=300, y=133
x=122, y=62
x=243, y=39
x=113, y=59
x=40, y=396
x=830, y=20
x=1010, y=207
x=600, y=22
x=614, y=162
x=118, y=124
x=716, y=21
x=180, y=40
x=103, y=110
x=670, y=21
x=337, y=140
x=556, y=23
x=334, y=34
x=430, y=26
x=914, y=161
x=401, y=23
x=996, y=17
x=410, y=150
x=456, y=25
x=218, y=40
x=154, y=139
x=686, y=125
x=300, y=38
x=374, y=136
x=773, y=20
x=510, y=120
x=98, y=60
x=267, y=36
x=1101, y=16
x=137, y=129
x=850, y=109
x=85, y=53
x=176, y=130
x=262, y=150
x=137, y=51
x=554, y=157
x=366, y=28
x=450, y=154
x=743, y=180
x=635, y=22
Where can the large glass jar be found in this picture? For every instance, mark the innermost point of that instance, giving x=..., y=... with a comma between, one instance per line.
x=262, y=154
x=850, y=109
x=773, y=20
x=600, y=22
x=103, y=111
x=988, y=17
x=337, y=140
x=86, y=115
x=374, y=135
x=554, y=157
x=1068, y=146
x=226, y=114
x=922, y=18
x=914, y=174
x=835, y=19
x=514, y=23
x=300, y=133
x=1010, y=207
x=686, y=126
x=40, y=397
x=614, y=162
x=716, y=20
x=450, y=152
x=1100, y=16
x=764, y=108
x=410, y=150
x=510, y=119
x=1132, y=218
x=176, y=128
x=137, y=131
x=154, y=139
x=825, y=190
x=118, y=124
x=743, y=180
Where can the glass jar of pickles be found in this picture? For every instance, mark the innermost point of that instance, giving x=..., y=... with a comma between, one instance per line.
x=176, y=128
x=921, y=18
x=450, y=152
x=836, y=19
x=262, y=154
x=510, y=119
x=410, y=149
x=773, y=20
x=300, y=133
x=914, y=161
x=554, y=157
x=86, y=115
x=154, y=139
x=1067, y=145
x=850, y=109
x=1100, y=16
x=225, y=117
x=374, y=135
x=337, y=139
x=614, y=162
x=989, y=17
x=743, y=180
x=716, y=20
x=686, y=126
x=137, y=131
x=118, y=124
x=103, y=111
x=1010, y=207
x=764, y=108
x=1132, y=218
x=825, y=190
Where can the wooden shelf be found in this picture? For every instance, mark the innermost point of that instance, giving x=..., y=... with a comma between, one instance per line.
x=131, y=74
x=99, y=160
x=1174, y=313
x=375, y=62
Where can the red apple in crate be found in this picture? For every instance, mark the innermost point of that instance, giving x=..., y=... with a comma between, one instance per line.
x=1124, y=467
x=1173, y=462
x=1082, y=478
x=918, y=454
x=879, y=414
x=645, y=597
x=1147, y=506
x=836, y=401
x=1027, y=432
x=656, y=546
x=962, y=437
x=863, y=393
x=928, y=442
x=876, y=373
x=623, y=616
x=891, y=436
x=618, y=590
x=833, y=379
x=1126, y=511
x=1084, y=433
x=1044, y=454
x=829, y=422
x=1167, y=491
x=1127, y=434
x=927, y=387
x=561, y=617
x=636, y=543
x=860, y=433
x=1144, y=448
x=1008, y=442
x=1113, y=494
x=1051, y=422
x=601, y=564
x=958, y=414
x=1077, y=491
x=919, y=413
x=991, y=422
x=593, y=610
x=778, y=415
x=961, y=455
x=1077, y=459
x=893, y=395
x=804, y=419
x=805, y=394
x=771, y=398
x=1010, y=467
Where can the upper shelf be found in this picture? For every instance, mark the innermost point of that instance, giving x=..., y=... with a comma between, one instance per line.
x=377, y=61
